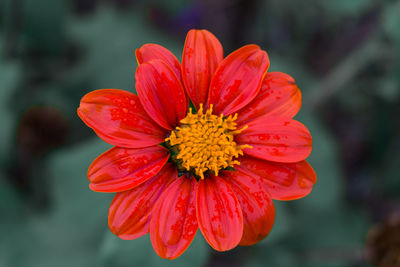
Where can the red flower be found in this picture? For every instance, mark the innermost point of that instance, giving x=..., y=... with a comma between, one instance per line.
x=215, y=167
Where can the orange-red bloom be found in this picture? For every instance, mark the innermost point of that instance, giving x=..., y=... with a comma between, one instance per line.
x=215, y=166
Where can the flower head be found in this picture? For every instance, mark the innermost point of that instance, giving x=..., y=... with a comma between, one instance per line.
x=205, y=144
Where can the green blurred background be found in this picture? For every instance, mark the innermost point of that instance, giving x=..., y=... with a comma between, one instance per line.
x=344, y=55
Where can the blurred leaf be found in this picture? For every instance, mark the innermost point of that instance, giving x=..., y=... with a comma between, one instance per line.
x=282, y=226
x=10, y=75
x=331, y=238
x=339, y=228
x=346, y=7
x=69, y=234
x=329, y=189
x=43, y=25
x=10, y=203
x=171, y=7
x=387, y=88
x=391, y=21
x=277, y=256
x=355, y=98
x=71, y=194
x=391, y=172
x=110, y=39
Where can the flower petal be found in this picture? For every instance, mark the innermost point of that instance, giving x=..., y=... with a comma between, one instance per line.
x=119, y=119
x=161, y=93
x=154, y=51
x=120, y=169
x=257, y=207
x=238, y=79
x=284, y=181
x=130, y=211
x=201, y=55
x=279, y=96
x=219, y=213
x=174, y=224
x=276, y=139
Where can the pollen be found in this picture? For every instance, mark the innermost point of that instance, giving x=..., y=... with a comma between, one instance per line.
x=205, y=142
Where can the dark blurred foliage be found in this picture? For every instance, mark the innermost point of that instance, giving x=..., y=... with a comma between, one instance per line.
x=384, y=242
x=344, y=55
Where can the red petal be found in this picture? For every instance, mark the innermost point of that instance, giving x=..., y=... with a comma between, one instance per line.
x=153, y=51
x=238, y=79
x=284, y=181
x=279, y=95
x=201, y=55
x=174, y=223
x=119, y=119
x=219, y=213
x=257, y=207
x=130, y=211
x=161, y=93
x=121, y=169
x=277, y=139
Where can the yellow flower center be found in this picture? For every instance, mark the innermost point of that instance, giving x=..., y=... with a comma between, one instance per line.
x=205, y=142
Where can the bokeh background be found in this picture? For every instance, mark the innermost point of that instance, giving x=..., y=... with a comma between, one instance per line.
x=344, y=55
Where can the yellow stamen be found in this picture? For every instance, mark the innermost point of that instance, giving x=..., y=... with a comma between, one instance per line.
x=205, y=142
